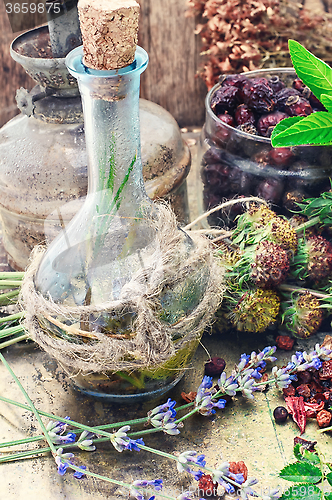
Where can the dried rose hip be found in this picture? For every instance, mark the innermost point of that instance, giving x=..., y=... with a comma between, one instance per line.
x=271, y=190
x=258, y=95
x=239, y=468
x=283, y=96
x=285, y=342
x=225, y=98
x=216, y=176
x=226, y=118
x=324, y=418
x=280, y=414
x=289, y=391
x=280, y=156
x=325, y=372
x=303, y=390
x=298, y=106
x=235, y=80
x=207, y=486
x=266, y=123
x=248, y=128
x=215, y=366
x=304, y=377
x=275, y=83
x=243, y=115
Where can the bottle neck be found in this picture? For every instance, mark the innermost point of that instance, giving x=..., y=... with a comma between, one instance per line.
x=112, y=127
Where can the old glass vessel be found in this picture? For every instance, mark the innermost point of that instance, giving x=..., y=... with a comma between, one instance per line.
x=113, y=238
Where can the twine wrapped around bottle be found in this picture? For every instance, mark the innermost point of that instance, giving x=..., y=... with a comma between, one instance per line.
x=151, y=342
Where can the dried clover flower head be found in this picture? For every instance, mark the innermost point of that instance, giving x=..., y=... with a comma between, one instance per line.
x=319, y=254
x=256, y=310
x=270, y=265
x=281, y=232
x=260, y=214
x=305, y=317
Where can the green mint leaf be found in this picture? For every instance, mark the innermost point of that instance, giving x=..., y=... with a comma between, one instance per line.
x=285, y=124
x=301, y=472
x=314, y=72
x=313, y=458
x=328, y=496
x=329, y=478
x=297, y=452
x=326, y=100
x=329, y=466
x=302, y=492
x=313, y=129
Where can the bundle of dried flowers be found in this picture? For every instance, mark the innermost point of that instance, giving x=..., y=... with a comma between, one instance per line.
x=243, y=35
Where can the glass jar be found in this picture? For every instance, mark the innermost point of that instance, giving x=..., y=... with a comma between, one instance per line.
x=235, y=163
x=112, y=242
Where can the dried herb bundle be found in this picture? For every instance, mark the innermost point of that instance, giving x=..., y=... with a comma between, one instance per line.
x=241, y=35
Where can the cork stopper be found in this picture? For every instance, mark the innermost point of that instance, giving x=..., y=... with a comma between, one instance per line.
x=109, y=32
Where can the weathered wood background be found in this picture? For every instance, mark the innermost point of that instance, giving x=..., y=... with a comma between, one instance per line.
x=166, y=34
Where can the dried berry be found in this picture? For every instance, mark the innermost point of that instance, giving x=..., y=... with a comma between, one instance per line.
x=280, y=414
x=215, y=366
x=266, y=123
x=284, y=97
x=289, y=391
x=281, y=156
x=226, y=118
x=226, y=98
x=284, y=342
x=235, y=80
x=248, y=128
x=211, y=156
x=206, y=486
x=324, y=418
x=270, y=190
x=239, y=468
x=270, y=265
x=298, y=106
x=216, y=177
x=304, y=377
x=258, y=95
x=325, y=373
x=303, y=390
x=275, y=83
x=243, y=115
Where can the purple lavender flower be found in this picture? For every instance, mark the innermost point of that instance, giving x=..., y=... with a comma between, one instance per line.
x=246, y=384
x=244, y=360
x=282, y=376
x=135, y=492
x=59, y=457
x=203, y=401
x=121, y=441
x=168, y=406
x=273, y=495
x=246, y=489
x=143, y=483
x=85, y=441
x=227, y=385
x=323, y=352
x=56, y=431
x=221, y=474
x=190, y=457
x=165, y=421
x=78, y=474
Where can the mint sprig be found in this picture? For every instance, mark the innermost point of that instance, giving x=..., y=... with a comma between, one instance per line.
x=315, y=129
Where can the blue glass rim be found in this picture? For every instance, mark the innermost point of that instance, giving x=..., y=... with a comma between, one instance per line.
x=75, y=65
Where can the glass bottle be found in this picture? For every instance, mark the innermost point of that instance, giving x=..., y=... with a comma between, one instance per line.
x=111, y=238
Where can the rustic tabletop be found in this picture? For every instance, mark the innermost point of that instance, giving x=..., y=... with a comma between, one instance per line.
x=244, y=430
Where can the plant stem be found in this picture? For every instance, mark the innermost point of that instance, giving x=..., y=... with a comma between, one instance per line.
x=298, y=289
x=12, y=317
x=14, y=341
x=309, y=223
x=7, y=332
x=17, y=275
x=30, y=403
